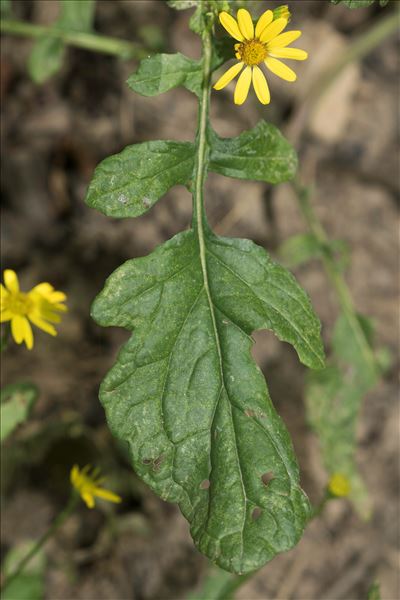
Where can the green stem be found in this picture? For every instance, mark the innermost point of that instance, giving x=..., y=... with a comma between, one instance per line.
x=362, y=46
x=89, y=41
x=58, y=521
x=232, y=585
x=335, y=276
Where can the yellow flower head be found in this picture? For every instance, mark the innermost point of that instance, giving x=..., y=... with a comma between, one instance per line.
x=339, y=485
x=41, y=306
x=88, y=486
x=264, y=43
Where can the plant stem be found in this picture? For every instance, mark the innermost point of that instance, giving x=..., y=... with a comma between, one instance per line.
x=58, y=521
x=335, y=276
x=89, y=41
x=362, y=46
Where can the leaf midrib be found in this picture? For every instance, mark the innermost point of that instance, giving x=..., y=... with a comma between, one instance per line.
x=200, y=170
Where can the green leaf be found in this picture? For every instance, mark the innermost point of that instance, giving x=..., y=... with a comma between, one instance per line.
x=47, y=56
x=333, y=400
x=30, y=583
x=129, y=183
x=77, y=15
x=299, y=249
x=262, y=153
x=304, y=247
x=17, y=401
x=182, y=4
x=374, y=592
x=5, y=8
x=358, y=3
x=187, y=396
x=162, y=72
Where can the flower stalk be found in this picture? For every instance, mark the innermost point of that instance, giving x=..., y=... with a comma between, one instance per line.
x=58, y=521
x=89, y=41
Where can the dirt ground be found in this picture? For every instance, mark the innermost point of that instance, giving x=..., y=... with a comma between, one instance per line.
x=52, y=137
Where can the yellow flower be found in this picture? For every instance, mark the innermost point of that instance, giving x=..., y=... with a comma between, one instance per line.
x=88, y=486
x=263, y=44
x=339, y=485
x=40, y=306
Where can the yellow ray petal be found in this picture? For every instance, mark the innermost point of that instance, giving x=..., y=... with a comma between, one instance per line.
x=273, y=30
x=3, y=293
x=22, y=331
x=228, y=76
x=280, y=69
x=11, y=281
x=88, y=499
x=284, y=39
x=293, y=53
x=5, y=315
x=242, y=86
x=28, y=335
x=107, y=495
x=261, y=86
x=41, y=323
x=245, y=23
x=42, y=288
x=58, y=297
x=231, y=26
x=265, y=19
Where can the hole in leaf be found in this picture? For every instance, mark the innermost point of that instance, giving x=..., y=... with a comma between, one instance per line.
x=256, y=513
x=205, y=484
x=267, y=477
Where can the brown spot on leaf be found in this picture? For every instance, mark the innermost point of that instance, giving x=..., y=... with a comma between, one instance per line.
x=256, y=513
x=147, y=461
x=249, y=412
x=267, y=477
x=205, y=484
x=157, y=462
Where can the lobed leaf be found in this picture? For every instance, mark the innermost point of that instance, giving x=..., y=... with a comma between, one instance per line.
x=162, y=72
x=187, y=396
x=262, y=153
x=129, y=183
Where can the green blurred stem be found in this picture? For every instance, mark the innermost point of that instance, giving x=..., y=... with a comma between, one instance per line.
x=58, y=521
x=89, y=41
x=359, y=48
x=335, y=275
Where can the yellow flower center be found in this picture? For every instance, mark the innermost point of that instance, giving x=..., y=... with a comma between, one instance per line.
x=252, y=52
x=19, y=304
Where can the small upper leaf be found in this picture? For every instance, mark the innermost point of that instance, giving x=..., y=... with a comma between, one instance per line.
x=129, y=183
x=162, y=72
x=193, y=405
x=262, y=153
x=47, y=55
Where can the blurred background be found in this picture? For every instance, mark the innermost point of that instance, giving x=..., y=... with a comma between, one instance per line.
x=52, y=137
